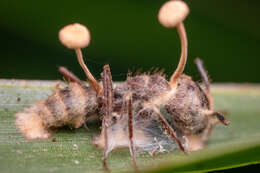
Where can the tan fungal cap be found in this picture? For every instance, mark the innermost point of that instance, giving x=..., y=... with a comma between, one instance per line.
x=74, y=36
x=172, y=13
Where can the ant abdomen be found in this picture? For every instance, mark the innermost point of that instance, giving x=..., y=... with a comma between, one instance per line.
x=67, y=106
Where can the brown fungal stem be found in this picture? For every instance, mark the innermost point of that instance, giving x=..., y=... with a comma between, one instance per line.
x=172, y=14
x=184, y=53
x=76, y=36
x=90, y=77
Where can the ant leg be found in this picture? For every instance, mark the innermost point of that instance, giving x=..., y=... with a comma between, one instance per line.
x=130, y=129
x=221, y=118
x=107, y=108
x=85, y=125
x=224, y=112
x=68, y=75
x=167, y=128
x=212, y=123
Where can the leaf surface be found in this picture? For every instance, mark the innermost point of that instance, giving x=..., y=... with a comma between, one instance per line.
x=232, y=146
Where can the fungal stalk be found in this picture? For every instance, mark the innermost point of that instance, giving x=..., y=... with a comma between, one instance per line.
x=172, y=14
x=76, y=36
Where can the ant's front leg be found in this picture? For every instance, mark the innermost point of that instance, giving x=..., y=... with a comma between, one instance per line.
x=107, y=101
x=107, y=108
x=130, y=128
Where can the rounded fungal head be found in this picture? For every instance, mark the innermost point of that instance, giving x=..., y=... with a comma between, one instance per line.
x=74, y=36
x=172, y=13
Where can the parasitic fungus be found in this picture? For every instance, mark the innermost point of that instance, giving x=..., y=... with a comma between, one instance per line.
x=172, y=14
x=77, y=36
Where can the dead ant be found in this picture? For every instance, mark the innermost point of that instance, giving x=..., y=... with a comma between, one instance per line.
x=180, y=108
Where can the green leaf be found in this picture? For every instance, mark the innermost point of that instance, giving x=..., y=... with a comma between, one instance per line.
x=232, y=146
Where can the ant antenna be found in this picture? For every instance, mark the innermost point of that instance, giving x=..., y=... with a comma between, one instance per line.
x=203, y=73
x=77, y=36
x=172, y=14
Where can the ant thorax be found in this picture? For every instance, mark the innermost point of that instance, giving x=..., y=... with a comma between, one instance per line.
x=182, y=106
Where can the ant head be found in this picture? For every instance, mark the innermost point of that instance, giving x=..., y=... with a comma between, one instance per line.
x=206, y=90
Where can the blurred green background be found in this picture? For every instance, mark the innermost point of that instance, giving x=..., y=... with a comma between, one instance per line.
x=127, y=35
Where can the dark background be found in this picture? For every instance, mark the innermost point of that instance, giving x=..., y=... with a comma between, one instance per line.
x=126, y=34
